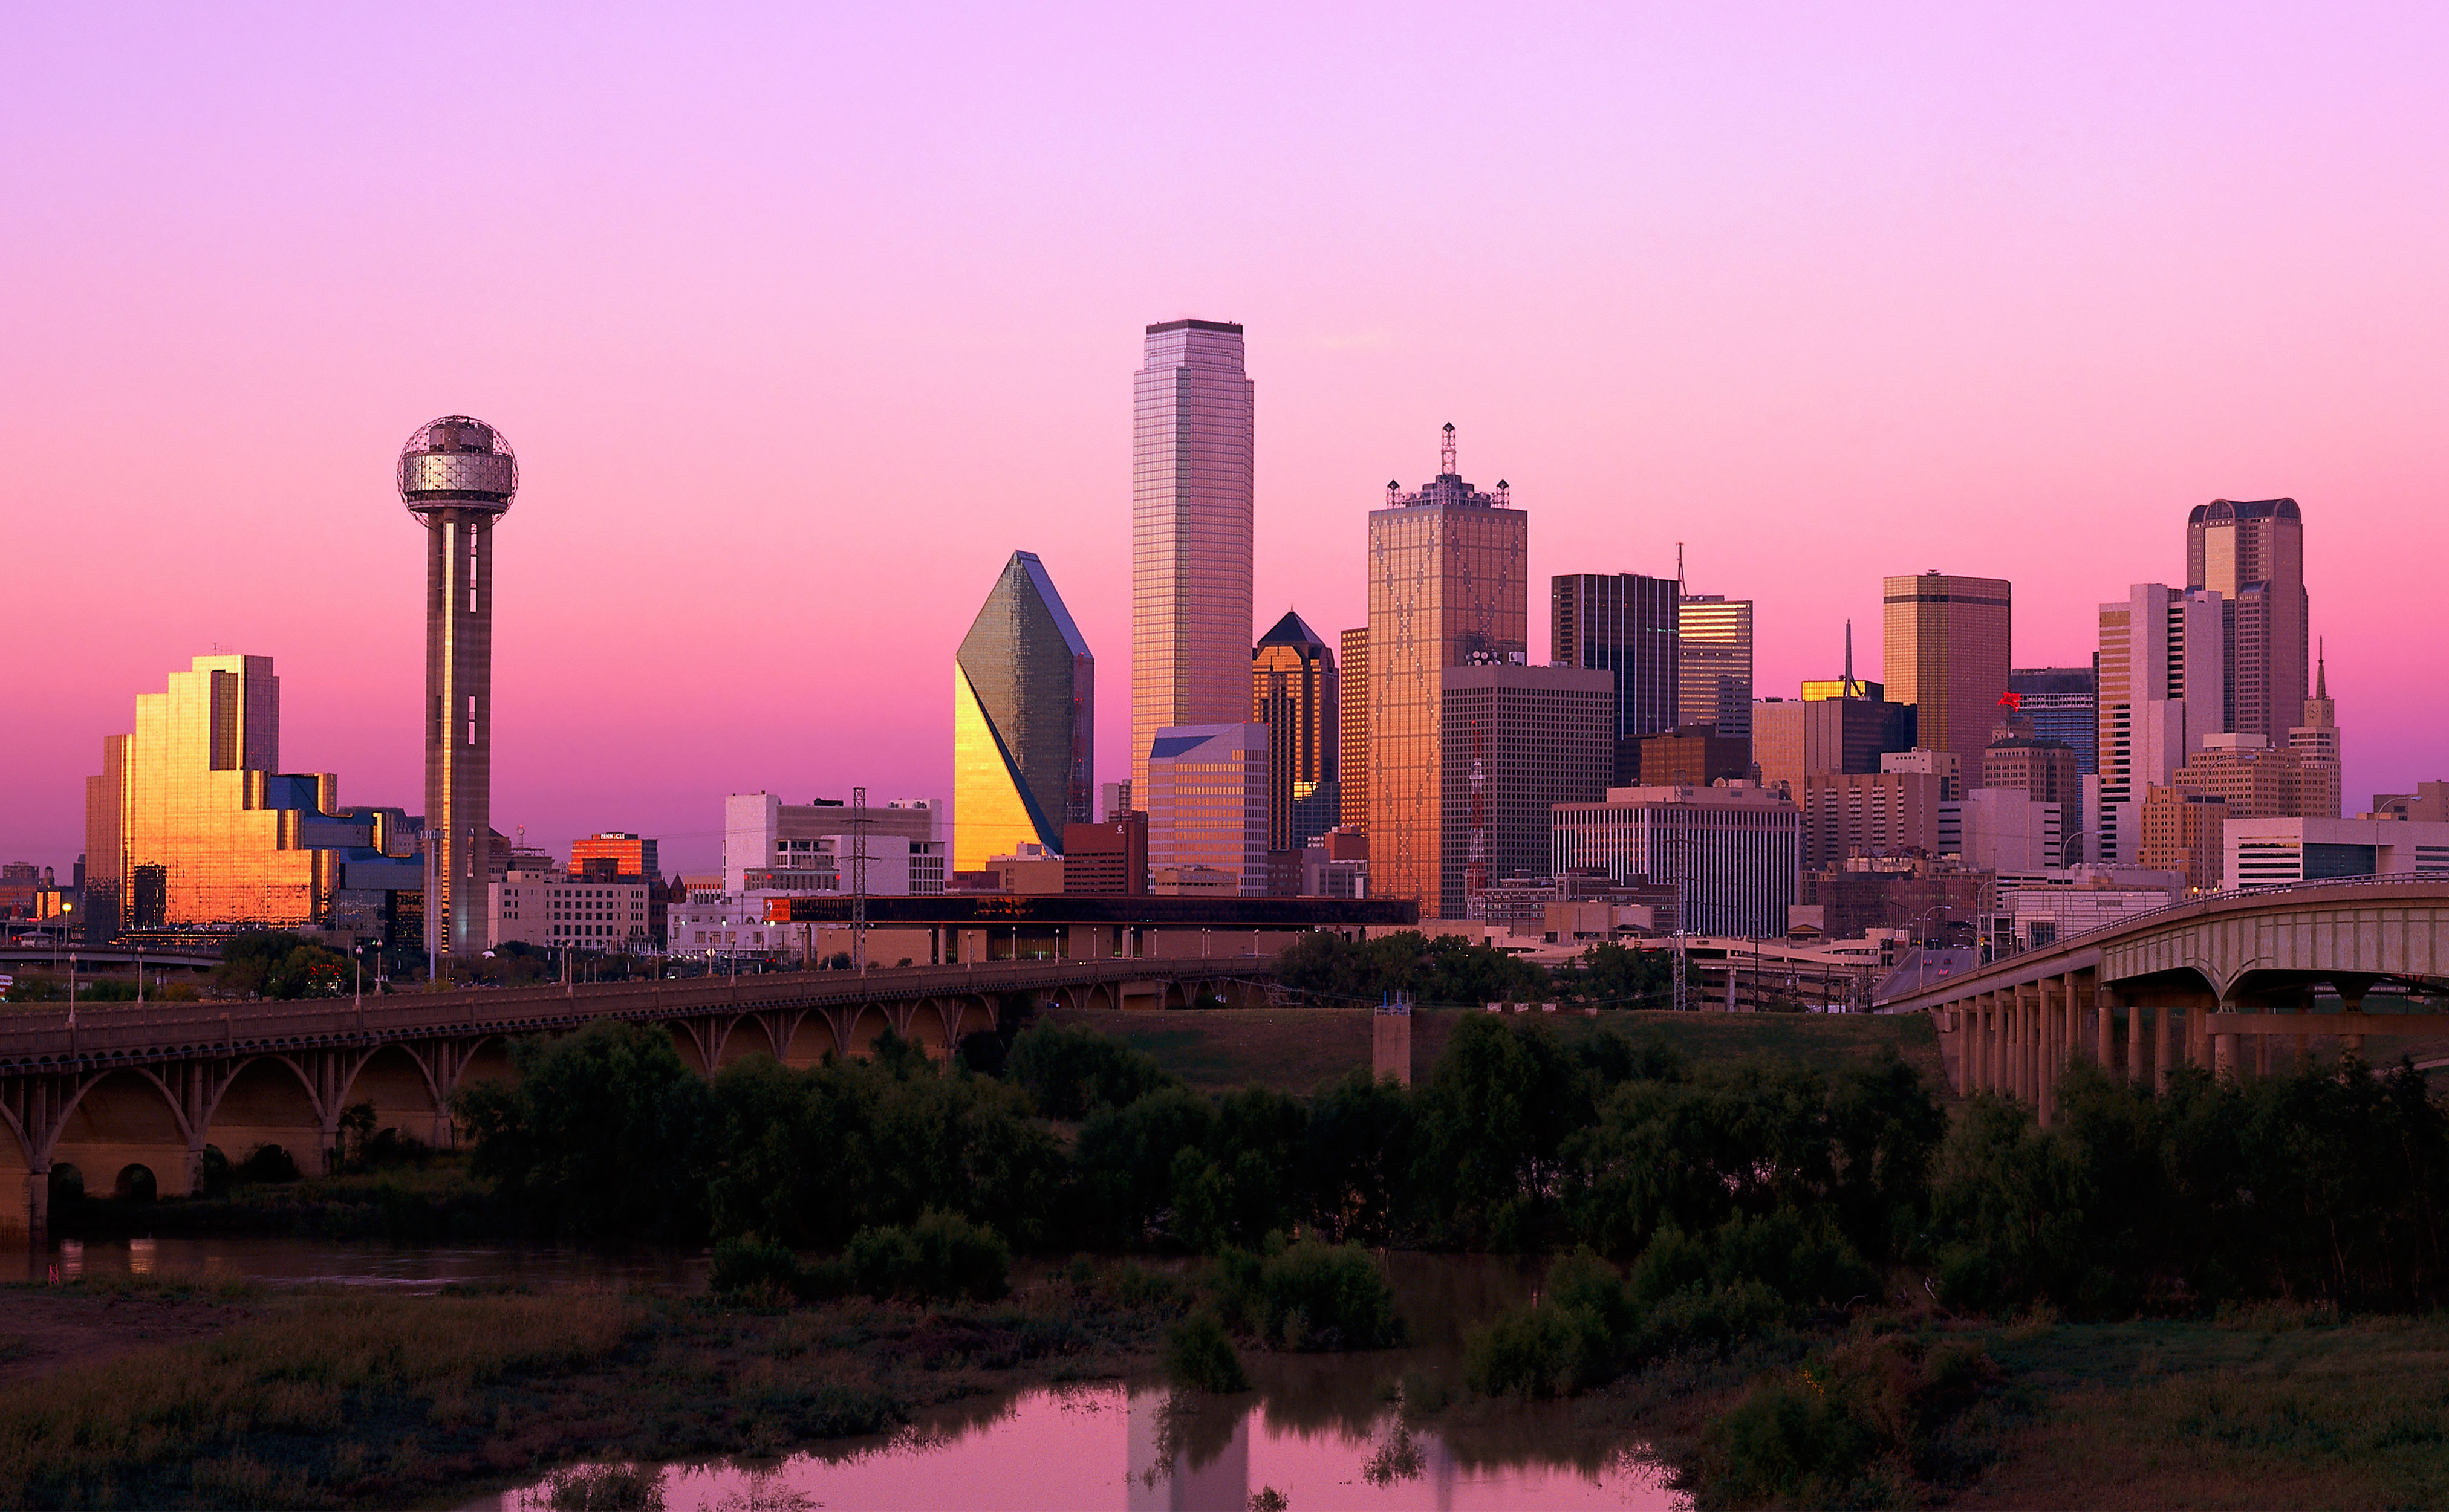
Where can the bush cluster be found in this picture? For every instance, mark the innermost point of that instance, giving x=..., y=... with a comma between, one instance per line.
x=1309, y=1295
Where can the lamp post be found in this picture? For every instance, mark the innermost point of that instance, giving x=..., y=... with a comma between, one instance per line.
x=2067, y=849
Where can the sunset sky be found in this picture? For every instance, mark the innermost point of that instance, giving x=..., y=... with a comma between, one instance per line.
x=803, y=319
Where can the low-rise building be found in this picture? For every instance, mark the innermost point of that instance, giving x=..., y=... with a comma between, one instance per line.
x=551, y=909
x=1849, y=813
x=1731, y=852
x=2001, y=829
x=2277, y=851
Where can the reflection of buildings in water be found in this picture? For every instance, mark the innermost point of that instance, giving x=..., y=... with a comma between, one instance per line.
x=1188, y=1461
x=1439, y=1465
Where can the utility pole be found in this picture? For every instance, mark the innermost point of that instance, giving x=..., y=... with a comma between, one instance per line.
x=858, y=879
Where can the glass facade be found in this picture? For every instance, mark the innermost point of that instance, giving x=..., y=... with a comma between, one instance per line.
x=1713, y=682
x=1517, y=742
x=1192, y=415
x=1294, y=692
x=2064, y=705
x=1947, y=644
x=1024, y=692
x=1207, y=802
x=1448, y=583
x=1352, y=687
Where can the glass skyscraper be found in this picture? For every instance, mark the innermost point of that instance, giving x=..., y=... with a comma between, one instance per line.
x=1449, y=585
x=1293, y=692
x=1191, y=449
x=1947, y=644
x=1024, y=690
x=1624, y=624
x=1713, y=684
x=2251, y=553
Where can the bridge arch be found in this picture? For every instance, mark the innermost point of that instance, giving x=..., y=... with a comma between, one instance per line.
x=400, y=1086
x=812, y=1040
x=750, y=1034
x=126, y=1117
x=867, y=1024
x=690, y=1046
x=268, y=1101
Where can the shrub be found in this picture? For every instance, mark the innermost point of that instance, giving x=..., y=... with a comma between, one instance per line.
x=1312, y=1297
x=1072, y=1071
x=1872, y=1421
x=749, y=1266
x=1199, y=1357
x=942, y=1255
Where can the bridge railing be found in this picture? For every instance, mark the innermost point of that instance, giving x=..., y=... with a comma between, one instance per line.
x=50, y=1033
x=2129, y=923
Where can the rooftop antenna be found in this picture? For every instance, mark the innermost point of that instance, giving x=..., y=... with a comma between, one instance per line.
x=1446, y=452
x=1679, y=569
x=1393, y=487
x=1850, y=689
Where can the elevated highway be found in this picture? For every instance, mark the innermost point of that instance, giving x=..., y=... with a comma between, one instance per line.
x=2237, y=983
x=121, y=1089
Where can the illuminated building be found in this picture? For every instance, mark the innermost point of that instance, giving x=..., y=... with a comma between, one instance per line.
x=2161, y=695
x=1207, y=804
x=1713, y=677
x=456, y=475
x=1191, y=457
x=1448, y=585
x=1294, y=692
x=2251, y=553
x=1352, y=711
x=191, y=824
x=1948, y=642
x=1023, y=702
x=806, y=847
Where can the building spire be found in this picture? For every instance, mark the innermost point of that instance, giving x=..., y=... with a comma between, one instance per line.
x=1446, y=451
x=2322, y=668
x=1848, y=689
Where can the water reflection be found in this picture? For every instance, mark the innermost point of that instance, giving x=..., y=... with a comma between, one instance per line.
x=1141, y=1450
x=419, y=1268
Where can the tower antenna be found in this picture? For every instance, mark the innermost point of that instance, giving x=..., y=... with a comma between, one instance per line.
x=1848, y=688
x=1446, y=451
x=1679, y=569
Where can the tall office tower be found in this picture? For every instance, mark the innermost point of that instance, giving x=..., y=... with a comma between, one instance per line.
x=1948, y=642
x=1191, y=449
x=1208, y=808
x=1293, y=693
x=2064, y=705
x=2317, y=741
x=1713, y=683
x=1517, y=740
x=1352, y=711
x=1448, y=585
x=1024, y=695
x=1626, y=625
x=457, y=476
x=2163, y=680
x=2251, y=553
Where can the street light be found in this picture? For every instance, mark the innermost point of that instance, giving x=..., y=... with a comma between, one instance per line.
x=2064, y=850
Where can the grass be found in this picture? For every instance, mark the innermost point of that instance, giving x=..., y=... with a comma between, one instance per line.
x=1295, y=1051
x=329, y=1399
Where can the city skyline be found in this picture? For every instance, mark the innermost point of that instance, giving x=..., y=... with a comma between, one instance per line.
x=2090, y=375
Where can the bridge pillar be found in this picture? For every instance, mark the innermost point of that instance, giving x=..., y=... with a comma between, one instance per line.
x=2163, y=1044
x=1994, y=1060
x=2104, y=1013
x=2223, y=1046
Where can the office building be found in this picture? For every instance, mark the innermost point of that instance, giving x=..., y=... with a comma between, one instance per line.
x=2316, y=743
x=1943, y=765
x=1732, y=853
x=1336, y=865
x=1113, y=801
x=1192, y=415
x=2003, y=830
x=1948, y=642
x=457, y=476
x=2429, y=802
x=1107, y=859
x=1693, y=755
x=612, y=852
x=2251, y=553
x=1920, y=895
x=1352, y=714
x=1208, y=807
x=2162, y=694
x=1713, y=675
x=1854, y=813
x=1624, y=625
x=1293, y=692
x=2255, y=782
x=1517, y=740
x=1024, y=696
x=2182, y=832
x=2064, y=705
x=799, y=846
x=2277, y=851
x=1448, y=585
x=1794, y=739
x=551, y=909
x=192, y=824
x=2044, y=770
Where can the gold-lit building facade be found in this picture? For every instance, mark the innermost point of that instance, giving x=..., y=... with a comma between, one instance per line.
x=1449, y=585
x=191, y=823
x=1024, y=694
x=1949, y=645
x=1294, y=692
x=1351, y=712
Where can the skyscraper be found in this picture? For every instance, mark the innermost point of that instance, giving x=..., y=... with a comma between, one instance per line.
x=457, y=476
x=2064, y=705
x=1948, y=644
x=1713, y=682
x=1624, y=625
x=1208, y=807
x=1293, y=692
x=1351, y=710
x=1448, y=586
x=1192, y=455
x=2251, y=553
x=1517, y=740
x=1024, y=692
x=2162, y=688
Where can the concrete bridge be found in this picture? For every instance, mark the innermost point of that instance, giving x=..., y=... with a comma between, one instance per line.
x=129, y=1093
x=2234, y=982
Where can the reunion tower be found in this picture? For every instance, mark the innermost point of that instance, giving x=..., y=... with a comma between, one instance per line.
x=458, y=475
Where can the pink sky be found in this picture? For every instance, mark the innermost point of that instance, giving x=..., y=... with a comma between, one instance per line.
x=802, y=320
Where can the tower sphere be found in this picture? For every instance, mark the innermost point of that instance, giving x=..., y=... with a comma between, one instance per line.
x=457, y=463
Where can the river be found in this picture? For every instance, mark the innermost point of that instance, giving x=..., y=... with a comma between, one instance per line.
x=1322, y=1431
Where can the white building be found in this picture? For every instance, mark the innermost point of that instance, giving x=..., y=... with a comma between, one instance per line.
x=547, y=907
x=1207, y=805
x=2163, y=694
x=2001, y=829
x=800, y=844
x=2041, y=907
x=1733, y=853
x=1945, y=765
x=2274, y=852
x=715, y=924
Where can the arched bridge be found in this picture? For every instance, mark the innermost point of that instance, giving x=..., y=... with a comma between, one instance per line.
x=2230, y=982
x=128, y=1092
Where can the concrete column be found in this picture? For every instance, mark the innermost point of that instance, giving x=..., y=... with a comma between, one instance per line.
x=2104, y=1010
x=2163, y=1036
x=2045, y=1075
x=2223, y=1049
